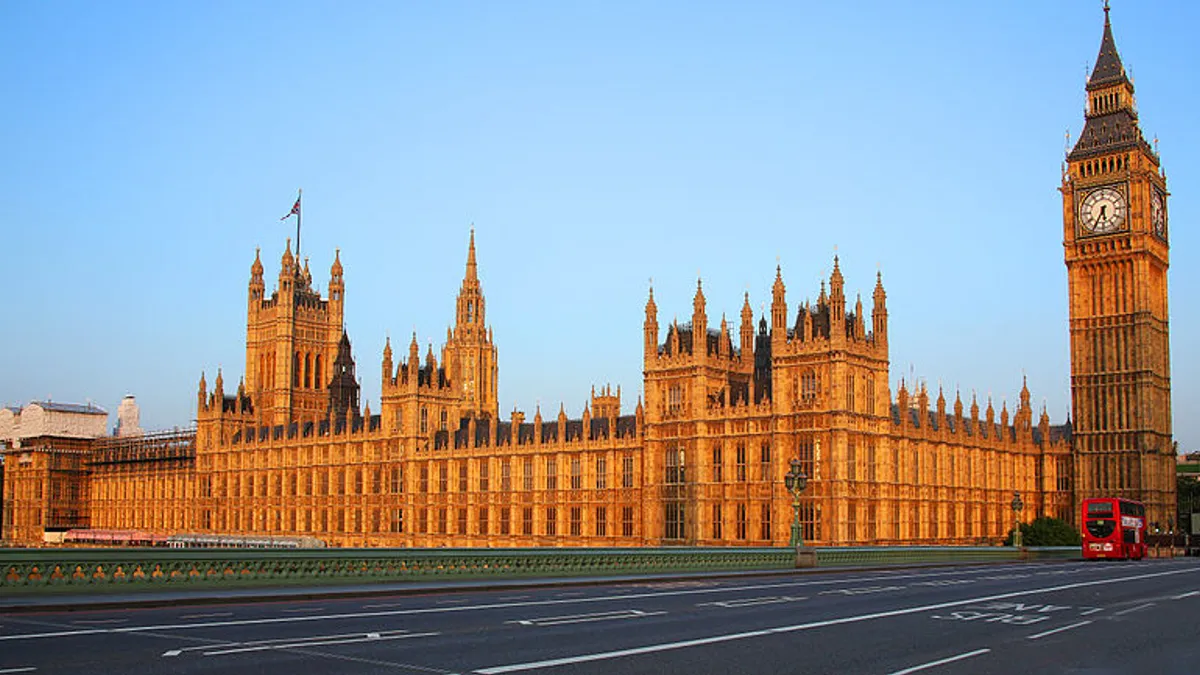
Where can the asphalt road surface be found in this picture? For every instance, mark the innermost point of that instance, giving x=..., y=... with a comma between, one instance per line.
x=1097, y=617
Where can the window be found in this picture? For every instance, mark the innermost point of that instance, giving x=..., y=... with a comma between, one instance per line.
x=443, y=421
x=627, y=471
x=358, y=481
x=551, y=474
x=765, y=523
x=551, y=521
x=443, y=478
x=716, y=521
x=674, y=399
x=423, y=521
x=398, y=479
x=674, y=520
x=850, y=393
x=482, y=523
x=741, y=462
x=674, y=466
x=505, y=475
x=483, y=475
x=851, y=460
x=424, y=420
x=601, y=473
x=764, y=465
x=527, y=475
x=601, y=521
x=505, y=522
x=870, y=395
x=442, y=521
x=626, y=521
x=576, y=521
x=397, y=521
x=718, y=468
x=527, y=520
x=462, y=476
x=808, y=386
x=423, y=482
x=741, y=521
x=576, y=474
x=462, y=521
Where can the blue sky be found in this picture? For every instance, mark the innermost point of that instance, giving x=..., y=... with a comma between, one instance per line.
x=150, y=147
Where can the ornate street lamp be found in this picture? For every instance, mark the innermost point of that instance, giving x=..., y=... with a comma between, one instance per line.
x=795, y=481
x=1017, y=505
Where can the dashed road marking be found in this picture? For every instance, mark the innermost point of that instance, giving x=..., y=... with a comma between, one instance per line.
x=1043, y=634
x=1133, y=609
x=585, y=618
x=939, y=662
x=751, y=602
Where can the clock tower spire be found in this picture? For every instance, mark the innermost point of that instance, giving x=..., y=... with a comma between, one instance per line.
x=1116, y=252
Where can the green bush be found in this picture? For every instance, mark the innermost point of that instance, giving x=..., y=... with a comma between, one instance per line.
x=1047, y=532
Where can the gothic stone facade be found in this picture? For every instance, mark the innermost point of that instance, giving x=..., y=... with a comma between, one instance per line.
x=701, y=460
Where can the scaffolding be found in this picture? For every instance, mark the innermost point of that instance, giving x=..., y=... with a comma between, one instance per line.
x=161, y=446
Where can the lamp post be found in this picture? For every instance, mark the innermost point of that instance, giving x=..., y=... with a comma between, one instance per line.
x=795, y=481
x=1017, y=505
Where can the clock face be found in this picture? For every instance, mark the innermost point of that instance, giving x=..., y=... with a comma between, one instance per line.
x=1158, y=214
x=1103, y=211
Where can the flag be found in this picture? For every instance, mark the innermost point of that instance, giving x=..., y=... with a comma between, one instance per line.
x=295, y=210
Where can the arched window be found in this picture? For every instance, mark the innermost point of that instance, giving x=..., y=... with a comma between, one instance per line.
x=470, y=311
x=308, y=371
x=424, y=420
x=318, y=381
x=296, y=370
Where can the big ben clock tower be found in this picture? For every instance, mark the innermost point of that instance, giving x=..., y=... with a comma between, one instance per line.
x=1115, y=241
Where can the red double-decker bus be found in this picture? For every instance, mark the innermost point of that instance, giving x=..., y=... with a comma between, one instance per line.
x=1114, y=528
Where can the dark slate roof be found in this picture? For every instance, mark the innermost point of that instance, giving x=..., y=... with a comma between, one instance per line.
x=504, y=432
x=626, y=426
x=599, y=428
x=526, y=434
x=1109, y=70
x=574, y=430
x=88, y=409
x=1113, y=131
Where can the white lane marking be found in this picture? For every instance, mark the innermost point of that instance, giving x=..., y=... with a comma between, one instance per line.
x=210, y=615
x=585, y=618
x=27, y=669
x=1038, y=636
x=751, y=602
x=61, y=633
x=99, y=621
x=536, y=603
x=950, y=659
x=302, y=609
x=1133, y=609
x=648, y=649
x=861, y=591
x=510, y=598
x=1185, y=595
x=261, y=648
x=384, y=605
x=277, y=641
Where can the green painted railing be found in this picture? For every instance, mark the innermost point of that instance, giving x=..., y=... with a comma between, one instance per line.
x=90, y=568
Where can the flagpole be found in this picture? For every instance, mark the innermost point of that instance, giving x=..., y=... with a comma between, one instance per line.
x=298, y=212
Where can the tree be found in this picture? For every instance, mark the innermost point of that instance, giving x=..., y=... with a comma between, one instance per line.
x=1046, y=531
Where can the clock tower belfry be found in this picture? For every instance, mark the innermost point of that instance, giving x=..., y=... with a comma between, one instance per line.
x=1116, y=252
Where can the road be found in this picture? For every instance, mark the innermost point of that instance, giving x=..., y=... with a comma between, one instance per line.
x=1098, y=617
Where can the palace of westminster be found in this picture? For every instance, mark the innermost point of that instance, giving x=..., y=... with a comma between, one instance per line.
x=700, y=461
